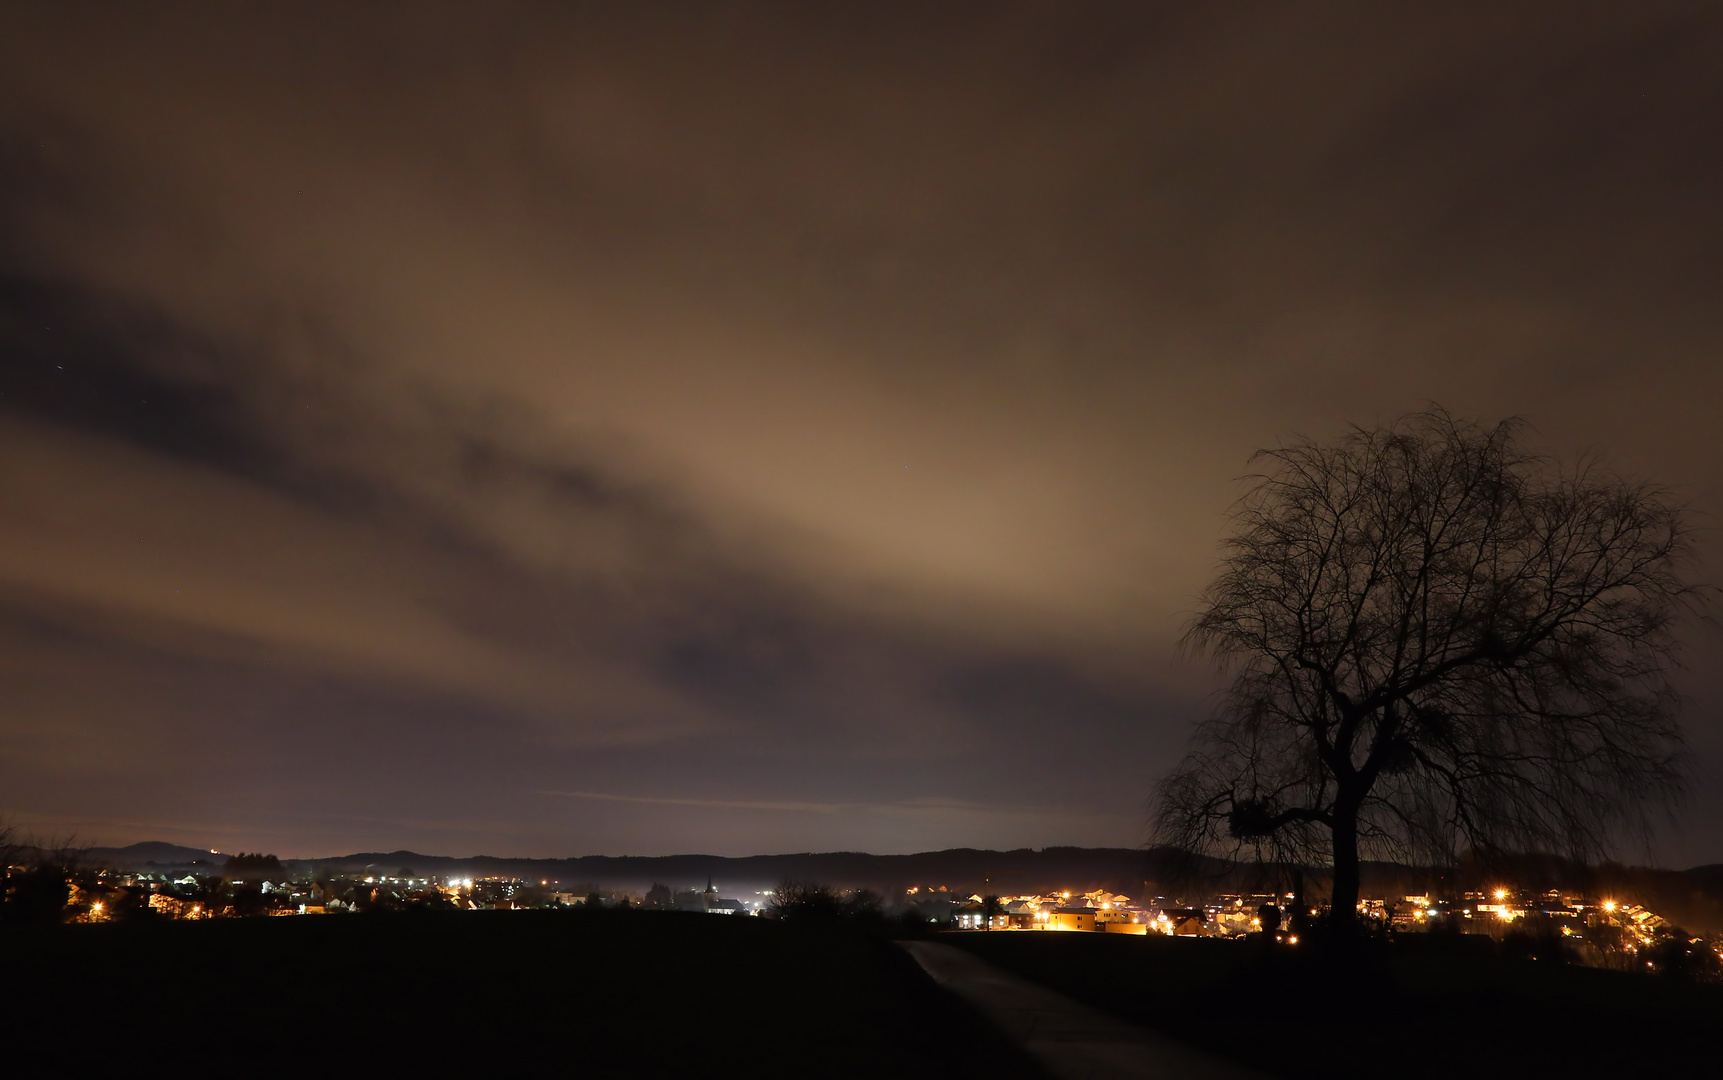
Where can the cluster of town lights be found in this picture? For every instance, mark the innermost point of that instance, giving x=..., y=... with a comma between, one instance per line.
x=1632, y=927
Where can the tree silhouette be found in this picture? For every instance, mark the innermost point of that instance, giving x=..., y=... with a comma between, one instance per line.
x=806, y=901
x=814, y=902
x=1437, y=640
x=37, y=895
x=38, y=876
x=251, y=863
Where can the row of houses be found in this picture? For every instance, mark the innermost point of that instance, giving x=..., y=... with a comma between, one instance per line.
x=1093, y=912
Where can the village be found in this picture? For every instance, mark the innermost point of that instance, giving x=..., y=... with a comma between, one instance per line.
x=1594, y=931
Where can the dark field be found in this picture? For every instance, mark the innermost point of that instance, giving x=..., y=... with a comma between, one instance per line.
x=1404, y=1014
x=636, y=995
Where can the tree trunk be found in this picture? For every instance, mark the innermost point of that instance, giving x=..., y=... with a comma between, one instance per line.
x=1343, y=905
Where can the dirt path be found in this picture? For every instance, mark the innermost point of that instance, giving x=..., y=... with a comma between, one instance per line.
x=1069, y=1039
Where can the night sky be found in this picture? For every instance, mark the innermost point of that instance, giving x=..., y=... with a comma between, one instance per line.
x=646, y=428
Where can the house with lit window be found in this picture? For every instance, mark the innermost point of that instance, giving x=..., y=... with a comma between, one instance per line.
x=1071, y=918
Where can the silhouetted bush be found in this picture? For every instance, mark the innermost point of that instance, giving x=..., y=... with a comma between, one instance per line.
x=1676, y=956
x=36, y=895
x=911, y=922
x=816, y=902
x=1536, y=944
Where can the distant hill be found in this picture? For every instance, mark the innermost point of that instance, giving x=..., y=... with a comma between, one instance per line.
x=962, y=870
x=152, y=852
x=1711, y=873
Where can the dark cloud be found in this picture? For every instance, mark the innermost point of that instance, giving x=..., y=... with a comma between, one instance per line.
x=96, y=366
x=551, y=428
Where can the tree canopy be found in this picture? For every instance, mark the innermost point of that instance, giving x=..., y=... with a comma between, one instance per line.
x=1437, y=640
x=251, y=862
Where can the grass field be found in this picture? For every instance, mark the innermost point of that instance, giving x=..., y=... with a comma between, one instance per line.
x=605, y=994
x=1399, y=1015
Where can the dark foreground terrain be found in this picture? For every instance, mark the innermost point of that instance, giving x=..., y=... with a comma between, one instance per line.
x=637, y=995
x=1419, y=1011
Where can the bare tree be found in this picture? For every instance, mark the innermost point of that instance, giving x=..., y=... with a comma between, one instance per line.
x=1437, y=640
x=11, y=843
x=814, y=902
x=807, y=901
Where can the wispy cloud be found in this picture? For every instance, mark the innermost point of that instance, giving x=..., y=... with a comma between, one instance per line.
x=906, y=806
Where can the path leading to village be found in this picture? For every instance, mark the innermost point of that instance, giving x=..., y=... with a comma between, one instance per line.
x=1067, y=1038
